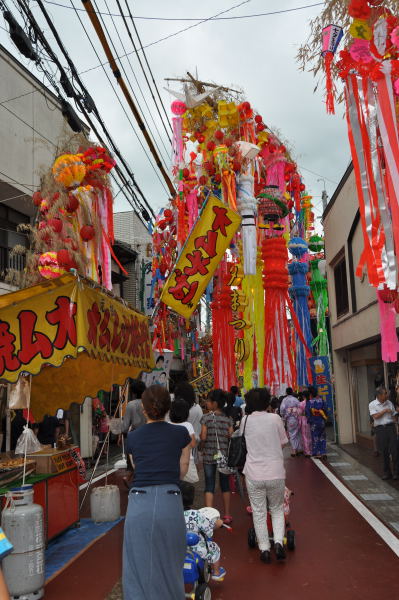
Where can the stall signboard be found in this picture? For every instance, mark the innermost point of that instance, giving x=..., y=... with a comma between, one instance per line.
x=160, y=374
x=201, y=254
x=321, y=376
x=43, y=325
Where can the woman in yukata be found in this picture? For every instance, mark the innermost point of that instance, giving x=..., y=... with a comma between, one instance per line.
x=316, y=413
x=290, y=412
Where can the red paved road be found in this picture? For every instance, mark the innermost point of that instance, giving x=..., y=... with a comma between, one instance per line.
x=338, y=555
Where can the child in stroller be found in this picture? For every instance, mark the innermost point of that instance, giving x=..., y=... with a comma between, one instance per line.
x=198, y=522
x=289, y=539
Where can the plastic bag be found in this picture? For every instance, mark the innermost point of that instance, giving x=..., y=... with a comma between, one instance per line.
x=32, y=443
x=115, y=425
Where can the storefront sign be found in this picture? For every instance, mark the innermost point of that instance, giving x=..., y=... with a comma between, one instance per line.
x=45, y=324
x=321, y=376
x=202, y=253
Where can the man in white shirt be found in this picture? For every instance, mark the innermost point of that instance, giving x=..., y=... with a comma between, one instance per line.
x=383, y=413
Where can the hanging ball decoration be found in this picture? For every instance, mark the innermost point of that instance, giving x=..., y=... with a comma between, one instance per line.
x=37, y=198
x=55, y=224
x=178, y=108
x=69, y=170
x=168, y=215
x=73, y=204
x=87, y=233
x=386, y=295
x=316, y=243
x=297, y=246
x=49, y=267
x=65, y=260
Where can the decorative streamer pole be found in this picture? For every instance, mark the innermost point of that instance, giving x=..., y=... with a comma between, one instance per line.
x=299, y=292
x=318, y=286
x=247, y=207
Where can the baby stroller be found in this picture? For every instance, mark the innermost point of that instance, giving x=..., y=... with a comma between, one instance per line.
x=289, y=539
x=196, y=571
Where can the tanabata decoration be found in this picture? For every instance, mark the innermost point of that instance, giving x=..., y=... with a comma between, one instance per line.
x=223, y=152
x=318, y=286
x=332, y=35
x=75, y=228
x=299, y=292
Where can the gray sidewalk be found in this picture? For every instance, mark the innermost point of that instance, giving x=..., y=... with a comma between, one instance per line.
x=380, y=497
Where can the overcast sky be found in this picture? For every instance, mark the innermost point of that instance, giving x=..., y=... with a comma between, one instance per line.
x=257, y=54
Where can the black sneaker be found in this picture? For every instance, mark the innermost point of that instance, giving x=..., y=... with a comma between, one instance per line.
x=280, y=552
x=386, y=476
x=265, y=556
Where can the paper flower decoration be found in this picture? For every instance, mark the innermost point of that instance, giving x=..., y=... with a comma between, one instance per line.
x=49, y=267
x=360, y=51
x=395, y=37
x=69, y=170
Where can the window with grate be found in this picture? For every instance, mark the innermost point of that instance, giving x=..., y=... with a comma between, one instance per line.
x=341, y=288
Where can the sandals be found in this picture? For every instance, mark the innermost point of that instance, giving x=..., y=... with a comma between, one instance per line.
x=219, y=576
x=227, y=520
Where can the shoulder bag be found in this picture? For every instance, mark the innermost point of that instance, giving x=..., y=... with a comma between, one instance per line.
x=237, y=453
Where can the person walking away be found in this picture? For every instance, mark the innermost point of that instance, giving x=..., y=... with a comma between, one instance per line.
x=316, y=414
x=154, y=544
x=133, y=418
x=289, y=411
x=232, y=411
x=185, y=391
x=264, y=470
x=215, y=433
x=383, y=413
x=304, y=425
x=178, y=415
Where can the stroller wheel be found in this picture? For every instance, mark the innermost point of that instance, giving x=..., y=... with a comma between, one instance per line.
x=203, y=592
x=251, y=537
x=204, y=573
x=291, y=539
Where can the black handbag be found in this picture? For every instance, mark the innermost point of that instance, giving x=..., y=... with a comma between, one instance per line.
x=237, y=454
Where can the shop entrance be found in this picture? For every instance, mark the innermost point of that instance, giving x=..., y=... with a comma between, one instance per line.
x=365, y=377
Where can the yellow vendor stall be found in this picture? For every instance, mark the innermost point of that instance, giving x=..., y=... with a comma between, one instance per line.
x=75, y=339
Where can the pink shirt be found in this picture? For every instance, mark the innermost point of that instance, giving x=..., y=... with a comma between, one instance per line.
x=265, y=435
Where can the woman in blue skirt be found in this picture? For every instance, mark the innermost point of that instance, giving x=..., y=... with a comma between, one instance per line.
x=316, y=413
x=154, y=543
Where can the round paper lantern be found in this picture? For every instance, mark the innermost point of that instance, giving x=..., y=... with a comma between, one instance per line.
x=55, y=224
x=297, y=246
x=69, y=170
x=65, y=260
x=73, y=203
x=178, y=107
x=386, y=295
x=87, y=233
x=316, y=243
x=37, y=198
x=49, y=267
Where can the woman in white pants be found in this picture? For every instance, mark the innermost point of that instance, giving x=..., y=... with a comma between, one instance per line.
x=264, y=470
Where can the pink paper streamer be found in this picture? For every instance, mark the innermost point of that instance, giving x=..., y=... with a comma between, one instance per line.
x=192, y=205
x=389, y=338
x=177, y=140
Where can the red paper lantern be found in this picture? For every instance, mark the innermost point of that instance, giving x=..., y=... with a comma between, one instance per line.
x=186, y=173
x=218, y=178
x=55, y=224
x=37, y=198
x=65, y=260
x=386, y=295
x=168, y=215
x=73, y=203
x=87, y=233
x=211, y=146
x=260, y=127
x=202, y=180
x=258, y=119
x=246, y=106
x=359, y=9
x=219, y=135
x=201, y=139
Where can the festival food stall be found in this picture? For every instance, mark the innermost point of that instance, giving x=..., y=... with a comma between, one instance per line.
x=74, y=338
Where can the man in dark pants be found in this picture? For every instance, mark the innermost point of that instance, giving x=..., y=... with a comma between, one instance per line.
x=383, y=412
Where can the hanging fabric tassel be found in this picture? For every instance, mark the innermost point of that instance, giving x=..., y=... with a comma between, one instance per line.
x=328, y=59
x=223, y=333
x=192, y=207
x=229, y=189
x=299, y=291
x=331, y=36
x=318, y=285
x=247, y=206
x=259, y=320
x=248, y=287
x=389, y=337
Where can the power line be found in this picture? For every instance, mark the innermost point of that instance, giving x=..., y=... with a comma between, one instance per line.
x=109, y=14
x=318, y=175
x=128, y=80
x=114, y=67
x=77, y=76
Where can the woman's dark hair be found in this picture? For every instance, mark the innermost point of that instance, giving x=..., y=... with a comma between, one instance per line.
x=289, y=391
x=274, y=403
x=178, y=411
x=218, y=396
x=230, y=399
x=257, y=399
x=156, y=402
x=313, y=391
x=137, y=387
x=234, y=390
x=187, y=494
x=185, y=391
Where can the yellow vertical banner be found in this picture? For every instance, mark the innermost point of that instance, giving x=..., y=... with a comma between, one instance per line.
x=203, y=251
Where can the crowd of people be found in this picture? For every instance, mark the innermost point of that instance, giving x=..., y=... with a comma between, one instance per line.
x=169, y=440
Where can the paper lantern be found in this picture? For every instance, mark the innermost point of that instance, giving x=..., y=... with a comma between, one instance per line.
x=316, y=243
x=178, y=108
x=37, y=198
x=49, y=267
x=55, y=224
x=87, y=233
x=73, y=203
x=65, y=260
x=69, y=170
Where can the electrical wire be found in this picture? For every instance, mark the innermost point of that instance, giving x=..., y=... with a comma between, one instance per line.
x=128, y=80
x=147, y=63
x=119, y=100
x=108, y=14
x=168, y=124
x=318, y=175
